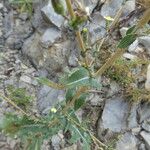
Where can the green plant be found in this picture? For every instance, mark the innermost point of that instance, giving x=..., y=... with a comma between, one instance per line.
x=77, y=83
x=23, y=5
x=19, y=96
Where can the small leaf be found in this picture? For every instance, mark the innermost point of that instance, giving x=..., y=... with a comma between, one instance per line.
x=69, y=94
x=77, y=134
x=80, y=102
x=127, y=40
x=80, y=77
x=50, y=83
x=130, y=30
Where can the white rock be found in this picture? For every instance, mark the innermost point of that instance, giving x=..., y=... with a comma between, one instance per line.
x=111, y=7
x=132, y=118
x=1, y=6
x=51, y=16
x=50, y=36
x=129, y=56
x=113, y=117
x=133, y=46
x=129, y=7
x=146, y=137
x=145, y=41
x=144, y=112
x=28, y=80
x=127, y=142
x=47, y=98
x=97, y=27
x=123, y=31
x=147, y=83
x=146, y=125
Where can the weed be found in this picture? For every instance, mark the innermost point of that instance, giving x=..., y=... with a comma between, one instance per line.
x=31, y=129
x=23, y=5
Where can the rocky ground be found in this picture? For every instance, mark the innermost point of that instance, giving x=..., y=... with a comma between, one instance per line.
x=43, y=45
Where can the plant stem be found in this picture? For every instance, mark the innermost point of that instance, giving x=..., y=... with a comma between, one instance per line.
x=78, y=34
x=70, y=9
x=109, y=62
x=86, y=130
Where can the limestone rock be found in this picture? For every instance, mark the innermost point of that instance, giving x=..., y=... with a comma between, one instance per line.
x=114, y=116
x=51, y=16
x=145, y=41
x=50, y=36
x=111, y=7
x=127, y=142
x=147, y=83
x=144, y=112
x=146, y=137
x=47, y=97
x=97, y=27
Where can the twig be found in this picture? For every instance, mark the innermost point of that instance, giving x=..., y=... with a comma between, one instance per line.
x=109, y=62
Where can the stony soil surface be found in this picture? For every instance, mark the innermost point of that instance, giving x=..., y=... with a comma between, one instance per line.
x=43, y=45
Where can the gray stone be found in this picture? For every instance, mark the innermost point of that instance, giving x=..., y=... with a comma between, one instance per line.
x=32, y=49
x=1, y=6
x=144, y=112
x=132, y=118
x=37, y=19
x=114, y=88
x=53, y=59
x=145, y=41
x=97, y=27
x=56, y=57
x=127, y=142
x=56, y=142
x=47, y=98
x=129, y=7
x=50, y=36
x=142, y=147
x=111, y=7
x=123, y=31
x=90, y=4
x=24, y=16
x=146, y=137
x=95, y=100
x=147, y=83
x=8, y=23
x=73, y=60
x=28, y=80
x=51, y=16
x=14, y=43
x=113, y=119
x=146, y=125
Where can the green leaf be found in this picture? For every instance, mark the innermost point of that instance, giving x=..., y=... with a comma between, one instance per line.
x=50, y=83
x=80, y=77
x=77, y=134
x=127, y=40
x=38, y=145
x=80, y=102
x=130, y=30
x=70, y=93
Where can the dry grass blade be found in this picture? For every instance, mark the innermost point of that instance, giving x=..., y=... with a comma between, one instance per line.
x=145, y=19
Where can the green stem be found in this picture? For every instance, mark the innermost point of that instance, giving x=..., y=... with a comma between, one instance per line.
x=78, y=34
